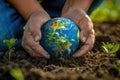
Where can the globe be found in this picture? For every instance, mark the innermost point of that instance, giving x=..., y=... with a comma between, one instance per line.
x=60, y=37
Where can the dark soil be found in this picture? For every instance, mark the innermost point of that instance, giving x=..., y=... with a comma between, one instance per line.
x=95, y=65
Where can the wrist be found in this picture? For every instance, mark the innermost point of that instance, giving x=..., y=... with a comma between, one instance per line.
x=40, y=14
x=76, y=9
x=39, y=18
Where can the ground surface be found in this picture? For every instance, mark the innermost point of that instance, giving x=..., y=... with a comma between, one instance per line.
x=96, y=65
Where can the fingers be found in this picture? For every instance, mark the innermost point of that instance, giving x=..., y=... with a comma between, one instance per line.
x=33, y=47
x=31, y=53
x=34, y=24
x=87, y=36
x=35, y=32
x=37, y=51
x=86, y=27
x=88, y=45
x=32, y=35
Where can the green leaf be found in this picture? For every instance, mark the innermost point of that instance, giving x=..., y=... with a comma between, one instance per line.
x=7, y=42
x=110, y=47
x=17, y=74
x=105, y=49
x=108, y=11
x=10, y=43
x=115, y=48
x=118, y=65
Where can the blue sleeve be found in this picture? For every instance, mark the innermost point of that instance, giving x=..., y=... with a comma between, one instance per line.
x=94, y=5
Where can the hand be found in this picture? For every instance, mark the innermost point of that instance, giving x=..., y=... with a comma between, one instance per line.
x=87, y=35
x=32, y=35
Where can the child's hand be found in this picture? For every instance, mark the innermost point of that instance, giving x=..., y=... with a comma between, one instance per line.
x=32, y=35
x=85, y=25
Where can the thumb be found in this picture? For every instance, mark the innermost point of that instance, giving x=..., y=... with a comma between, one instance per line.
x=83, y=36
x=36, y=34
x=37, y=38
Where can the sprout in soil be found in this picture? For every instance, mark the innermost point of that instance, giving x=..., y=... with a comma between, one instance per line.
x=118, y=65
x=10, y=43
x=110, y=47
x=17, y=74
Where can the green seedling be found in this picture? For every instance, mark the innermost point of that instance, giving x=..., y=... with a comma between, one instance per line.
x=118, y=65
x=110, y=47
x=10, y=43
x=17, y=74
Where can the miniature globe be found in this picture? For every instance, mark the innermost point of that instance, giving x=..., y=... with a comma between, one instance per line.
x=60, y=37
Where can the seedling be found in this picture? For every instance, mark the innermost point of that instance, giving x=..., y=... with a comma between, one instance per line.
x=10, y=43
x=110, y=47
x=118, y=65
x=17, y=74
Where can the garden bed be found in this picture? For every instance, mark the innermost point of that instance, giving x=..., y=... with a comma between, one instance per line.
x=95, y=65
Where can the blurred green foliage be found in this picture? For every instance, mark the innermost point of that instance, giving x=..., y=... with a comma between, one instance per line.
x=108, y=11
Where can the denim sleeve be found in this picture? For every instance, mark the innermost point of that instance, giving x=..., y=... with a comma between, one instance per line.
x=94, y=5
x=11, y=24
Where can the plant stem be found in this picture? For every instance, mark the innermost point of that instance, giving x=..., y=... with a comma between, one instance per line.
x=9, y=55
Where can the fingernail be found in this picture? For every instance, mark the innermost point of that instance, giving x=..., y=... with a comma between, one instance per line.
x=37, y=38
x=83, y=39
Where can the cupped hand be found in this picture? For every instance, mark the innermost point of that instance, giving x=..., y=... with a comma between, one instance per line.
x=32, y=35
x=87, y=34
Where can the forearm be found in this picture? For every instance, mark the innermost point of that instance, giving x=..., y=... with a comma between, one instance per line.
x=27, y=7
x=83, y=4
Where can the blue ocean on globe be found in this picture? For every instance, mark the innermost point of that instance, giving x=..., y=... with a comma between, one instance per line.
x=60, y=37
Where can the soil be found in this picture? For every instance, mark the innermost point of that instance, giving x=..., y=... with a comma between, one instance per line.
x=95, y=65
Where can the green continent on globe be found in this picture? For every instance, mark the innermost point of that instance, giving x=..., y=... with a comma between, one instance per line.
x=62, y=42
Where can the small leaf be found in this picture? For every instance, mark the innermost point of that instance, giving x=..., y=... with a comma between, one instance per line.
x=115, y=48
x=105, y=49
x=118, y=65
x=10, y=43
x=110, y=47
x=17, y=74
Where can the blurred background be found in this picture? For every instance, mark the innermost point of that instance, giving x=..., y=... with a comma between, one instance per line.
x=108, y=11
